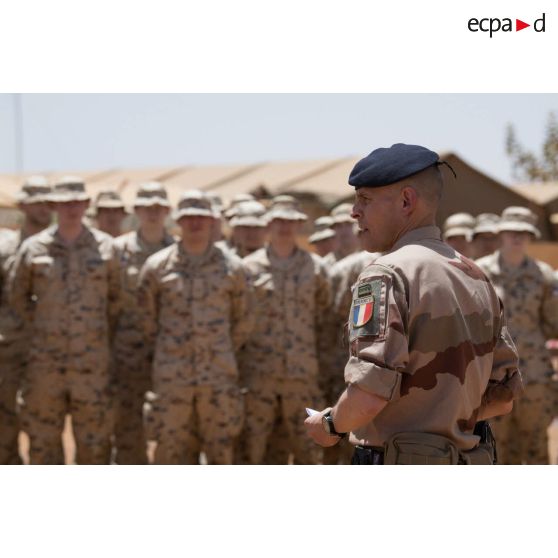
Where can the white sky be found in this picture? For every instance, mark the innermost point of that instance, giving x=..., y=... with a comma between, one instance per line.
x=89, y=132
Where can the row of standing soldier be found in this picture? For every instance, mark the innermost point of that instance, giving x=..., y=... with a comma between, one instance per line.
x=185, y=343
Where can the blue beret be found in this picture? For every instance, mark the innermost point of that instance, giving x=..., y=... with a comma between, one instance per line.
x=387, y=165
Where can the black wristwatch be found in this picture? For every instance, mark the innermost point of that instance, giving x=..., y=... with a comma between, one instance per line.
x=329, y=427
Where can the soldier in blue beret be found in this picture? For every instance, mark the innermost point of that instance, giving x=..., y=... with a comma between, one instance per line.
x=430, y=355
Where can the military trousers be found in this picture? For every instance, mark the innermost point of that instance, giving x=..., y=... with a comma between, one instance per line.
x=521, y=435
x=47, y=395
x=130, y=387
x=209, y=416
x=265, y=401
x=10, y=374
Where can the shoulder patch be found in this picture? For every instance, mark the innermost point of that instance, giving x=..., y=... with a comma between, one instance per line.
x=368, y=311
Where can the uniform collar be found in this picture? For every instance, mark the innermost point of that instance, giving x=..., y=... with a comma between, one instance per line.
x=195, y=261
x=84, y=239
x=414, y=236
x=283, y=263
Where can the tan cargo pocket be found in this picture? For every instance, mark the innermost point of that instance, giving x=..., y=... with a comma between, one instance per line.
x=419, y=448
x=481, y=455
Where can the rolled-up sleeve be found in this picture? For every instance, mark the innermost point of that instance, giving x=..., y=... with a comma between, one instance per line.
x=378, y=334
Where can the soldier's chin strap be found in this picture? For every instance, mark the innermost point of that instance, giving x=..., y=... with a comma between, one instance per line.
x=439, y=163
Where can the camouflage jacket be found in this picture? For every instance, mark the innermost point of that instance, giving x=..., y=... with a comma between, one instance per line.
x=196, y=313
x=292, y=301
x=69, y=297
x=530, y=293
x=132, y=252
x=427, y=334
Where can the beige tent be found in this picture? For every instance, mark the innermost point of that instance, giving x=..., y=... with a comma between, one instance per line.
x=319, y=185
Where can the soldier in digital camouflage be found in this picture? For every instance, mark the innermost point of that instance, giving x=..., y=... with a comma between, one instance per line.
x=280, y=362
x=64, y=284
x=324, y=239
x=132, y=374
x=458, y=232
x=430, y=354
x=109, y=212
x=196, y=314
x=36, y=216
x=529, y=290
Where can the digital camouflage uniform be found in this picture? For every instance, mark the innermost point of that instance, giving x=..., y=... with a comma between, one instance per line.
x=427, y=334
x=279, y=363
x=196, y=314
x=132, y=376
x=69, y=297
x=11, y=357
x=530, y=294
x=344, y=275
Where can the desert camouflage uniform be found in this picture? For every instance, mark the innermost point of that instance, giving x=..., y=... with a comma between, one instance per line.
x=530, y=293
x=344, y=275
x=435, y=345
x=131, y=375
x=280, y=364
x=11, y=357
x=69, y=297
x=196, y=314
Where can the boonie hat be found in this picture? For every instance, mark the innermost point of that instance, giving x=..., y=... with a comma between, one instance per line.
x=151, y=193
x=108, y=199
x=68, y=189
x=486, y=223
x=35, y=190
x=342, y=214
x=519, y=219
x=249, y=214
x=194, y=203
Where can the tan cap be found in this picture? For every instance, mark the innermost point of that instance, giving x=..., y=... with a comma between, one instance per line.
x=237, y=199
x=554, y=218
x=322, y=223
x=519, y=219
x=323, y=234
x=249, y=214
x=464, y=220
x=452, y=232
x=285, y=207
x=35, y=190
x=194, y=203
x=151, y=193
x=108, y=199
x=486, y=223
x=342, y=214
x=68, y=189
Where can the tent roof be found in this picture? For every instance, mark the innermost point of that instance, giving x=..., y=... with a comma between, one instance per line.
x=539, y=192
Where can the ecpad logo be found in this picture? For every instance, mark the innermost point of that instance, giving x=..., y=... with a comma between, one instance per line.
x=493, y=25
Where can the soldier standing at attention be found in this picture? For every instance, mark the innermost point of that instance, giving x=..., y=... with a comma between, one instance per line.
x=529, y=290
x=196, y=314
x=430, y=354
x=37, y=216
x=324, y=239
x=133, y=377
x=280, y=360
x=109, y=212
x=64, y=284
x=345, y=231
x=458, y=232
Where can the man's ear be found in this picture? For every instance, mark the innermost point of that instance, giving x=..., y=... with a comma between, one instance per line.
x=409, y=199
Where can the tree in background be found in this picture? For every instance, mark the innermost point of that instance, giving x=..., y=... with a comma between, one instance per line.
x=526, y=166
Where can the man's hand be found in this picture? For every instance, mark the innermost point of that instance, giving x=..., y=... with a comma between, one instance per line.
x=316, y=431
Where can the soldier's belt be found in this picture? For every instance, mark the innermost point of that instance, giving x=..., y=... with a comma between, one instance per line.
x=419, y=448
